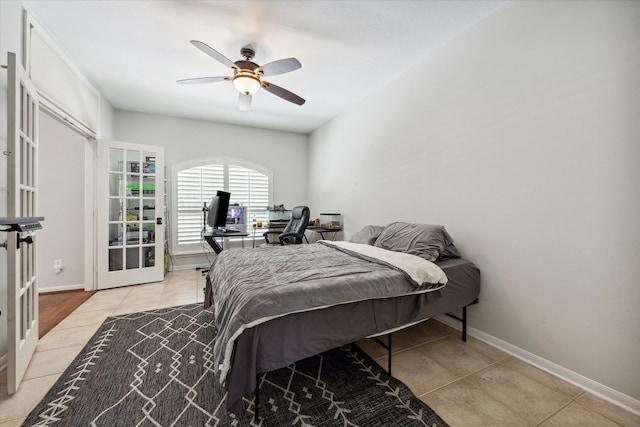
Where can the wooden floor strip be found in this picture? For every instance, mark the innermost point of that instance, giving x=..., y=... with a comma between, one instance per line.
x=55, y=306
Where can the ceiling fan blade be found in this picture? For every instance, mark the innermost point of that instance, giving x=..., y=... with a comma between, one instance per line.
x=203, y=80
x=244, y=102
x=282, y=93
x=213, y=53
x=280, y=66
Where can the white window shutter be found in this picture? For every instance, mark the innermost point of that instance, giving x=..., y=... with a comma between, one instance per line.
x=196, y=185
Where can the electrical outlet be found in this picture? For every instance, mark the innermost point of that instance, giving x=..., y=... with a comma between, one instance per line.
x=57, y=265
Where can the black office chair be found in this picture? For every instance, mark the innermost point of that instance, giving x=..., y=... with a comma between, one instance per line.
x=293, y=233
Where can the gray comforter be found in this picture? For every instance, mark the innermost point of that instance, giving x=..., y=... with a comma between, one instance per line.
x=250, y=286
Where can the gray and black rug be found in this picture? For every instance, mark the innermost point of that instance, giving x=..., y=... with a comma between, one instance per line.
x=154, y=369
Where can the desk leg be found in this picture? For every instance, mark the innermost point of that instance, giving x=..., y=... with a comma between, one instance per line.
x=214, y=244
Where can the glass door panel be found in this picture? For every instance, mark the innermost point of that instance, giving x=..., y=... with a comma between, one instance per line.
x=149, y=256
x=133, y=209
x=133, y=258
x=115, y=259
x=115, y=209
x=116, y=236
x=116, y=159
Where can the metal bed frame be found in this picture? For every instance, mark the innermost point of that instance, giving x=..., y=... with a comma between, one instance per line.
x=387, y=346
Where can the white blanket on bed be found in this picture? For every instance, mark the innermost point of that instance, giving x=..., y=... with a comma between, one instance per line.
x=423, y=272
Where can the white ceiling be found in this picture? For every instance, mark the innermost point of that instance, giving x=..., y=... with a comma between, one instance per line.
x=134, y=51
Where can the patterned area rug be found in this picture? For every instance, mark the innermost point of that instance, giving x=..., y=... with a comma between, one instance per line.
x=154, y=369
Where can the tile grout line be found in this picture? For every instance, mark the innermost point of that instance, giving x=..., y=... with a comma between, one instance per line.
x=575, y=400
x=417, y=345
x=514, y=410
x=554, y=413
x=468, y=375
x=499, y=402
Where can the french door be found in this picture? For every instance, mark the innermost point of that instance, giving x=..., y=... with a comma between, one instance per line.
x=22, y=286
x=130, y=214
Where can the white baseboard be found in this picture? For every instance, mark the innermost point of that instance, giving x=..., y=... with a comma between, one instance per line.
x=602, y=391
x=61, y=288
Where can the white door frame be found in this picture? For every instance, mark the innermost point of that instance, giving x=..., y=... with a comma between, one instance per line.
x=85, y=219
x=91, y=216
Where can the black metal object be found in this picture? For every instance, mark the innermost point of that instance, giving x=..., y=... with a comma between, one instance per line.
x=28, y=240
x=22, y=224
x=464, y=318
x=387, y=346
x=211, y=238
x=256, y=414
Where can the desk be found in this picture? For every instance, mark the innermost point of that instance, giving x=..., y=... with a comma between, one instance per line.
x=210, y=237
x=322, y=230
x=257, y=232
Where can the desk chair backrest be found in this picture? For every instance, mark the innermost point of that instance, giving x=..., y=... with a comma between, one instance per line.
x=294, y=231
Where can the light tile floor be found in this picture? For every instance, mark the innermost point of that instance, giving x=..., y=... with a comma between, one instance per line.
x=467, y=384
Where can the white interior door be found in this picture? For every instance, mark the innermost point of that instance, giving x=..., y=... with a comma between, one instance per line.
x=130, y=214
x=22, y=286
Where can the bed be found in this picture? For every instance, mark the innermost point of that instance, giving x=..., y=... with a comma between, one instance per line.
x=275, y=306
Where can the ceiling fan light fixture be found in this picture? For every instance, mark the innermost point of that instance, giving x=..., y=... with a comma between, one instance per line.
x=246, y=83
x=247, y=75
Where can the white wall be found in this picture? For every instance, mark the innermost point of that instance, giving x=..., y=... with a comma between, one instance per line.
x=285, y=153
x=107, y=119
x=522, y=137
x=62, y=203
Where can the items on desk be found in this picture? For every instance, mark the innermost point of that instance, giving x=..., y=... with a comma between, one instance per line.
x=331, y=221
x=276, y=208
x=281, y=214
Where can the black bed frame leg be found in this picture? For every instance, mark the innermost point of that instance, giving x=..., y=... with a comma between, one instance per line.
x=387, y=346
x=389, y=352
x=463, y=319
x=464, y=323
x=256, y=416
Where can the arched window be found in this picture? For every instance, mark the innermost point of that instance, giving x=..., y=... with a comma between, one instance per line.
x=194, y=183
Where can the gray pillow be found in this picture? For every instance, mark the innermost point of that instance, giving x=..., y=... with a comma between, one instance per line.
x=367, y=235
x=450, y=252
x=424, y=240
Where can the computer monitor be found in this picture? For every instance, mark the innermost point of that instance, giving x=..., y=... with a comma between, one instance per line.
x=237, y=217
x=217, y=210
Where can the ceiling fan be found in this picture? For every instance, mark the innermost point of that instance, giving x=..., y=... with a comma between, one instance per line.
x=247, y=75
